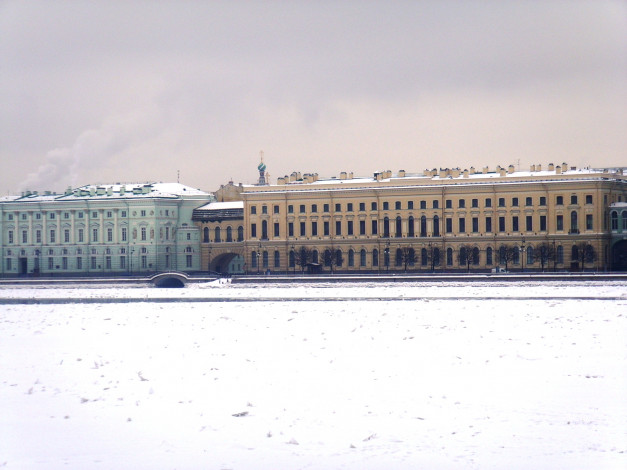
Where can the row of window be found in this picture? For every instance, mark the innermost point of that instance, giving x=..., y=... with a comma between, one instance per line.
x=166, y=233
x=81, y=214
x=461, y=203
x=614, y=220
x=122, y=264
x=425, y=257
x=418, y=227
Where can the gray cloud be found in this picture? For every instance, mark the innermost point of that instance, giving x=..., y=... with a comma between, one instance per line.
x=110, y=91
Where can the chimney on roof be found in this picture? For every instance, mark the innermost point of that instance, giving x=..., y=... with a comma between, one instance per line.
x=532, y=168
x=511, y=169
x=343, y=175
x=551, y=167
x=558, y=170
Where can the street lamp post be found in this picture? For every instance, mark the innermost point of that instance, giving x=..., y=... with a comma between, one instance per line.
x=258, y=256
x=522, y=250
x=294, y=260
x=387, y=256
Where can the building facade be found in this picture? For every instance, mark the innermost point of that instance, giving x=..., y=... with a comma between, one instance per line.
x=119, y=229
x=544, y=219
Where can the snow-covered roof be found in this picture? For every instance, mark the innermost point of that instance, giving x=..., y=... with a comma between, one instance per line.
x=222, y=205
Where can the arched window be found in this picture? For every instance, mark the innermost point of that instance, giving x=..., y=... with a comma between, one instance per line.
x=240, y=234
x=423, y=226
x=463, y=256
x=205, y=235
x=410, y=227
x=362, y=257
x=475, y=256
x=488, y=256
x=573, y=222
x=253, y=259
x=229, y=234
x=386, y=227
x=624, y=217
x=216, y=235
x=449, y=256
x=264, y=229
x=277, y=259
x=614, y=218
x=314, y=256
x=436, y=226
x=530, y=255
x=351, y=258
x=375, y=257
x=339, y=259
x=516, y=255
x=398, y=260
x=560, y=254
x=292, y=259
x=399, y=227
x=386, y=257
x=502, y=255
x=424, y=258
x=574, y=253
x=265, y=259
x=589, y=256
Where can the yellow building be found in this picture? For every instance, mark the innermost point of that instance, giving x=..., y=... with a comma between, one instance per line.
x=440, y=220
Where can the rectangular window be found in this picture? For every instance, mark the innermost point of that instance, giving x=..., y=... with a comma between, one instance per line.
x=188, y=260
x=462, y=203
x=475, y=224
x=543, y=223
x=488, y=202
x=362, y=206
x=167, y=233
x=79, y=263
x=588, y=198
x=349, y=227
x=93, y=262
x=50, y=263
x=475, y=203
x=326, y=228
x=338, y=207
x=529, y=223
x=276, y=230
x=338, y=227
x=264, y=209
x=123, y=214
x=375, y=227
x=143, y=234
x=397, y=205
x=542, y=201
x=488, y=224
x=81, y=235
x=349, y=207
x=362, y=227
x=94, y=215
x=53, y=236
x=559, y=223
x=515, y=223
x=410, y=204
x=462, y=224
x=290, y=229
x=52, y=215
x=589, y=222
x=9, y=264
x=64, y=262
x=24, y=236
x=528, y=201
x=559, y=200
x=573, y=199
x=110, y=214
x=275, y=209
x=290, y=209
x=253, y=230
x=449, y=203
x=501, y=224
x=124, y=233
x=436, y=204
x=253, y=210
x=423, y=204
x=94, y=235
x=386, y=206
x=314, y=229
x=314, y=208
x=302, y=229
x=501, y=202
x=301, y=208
x=109, y=234
x=108, y=263
x=449, y=225
x=373, y=206
x=515, y=202
x=66, y=236
x=123, y=262
x=325, y=208
x=38, y=236
x=144, y=259
x=10, y=234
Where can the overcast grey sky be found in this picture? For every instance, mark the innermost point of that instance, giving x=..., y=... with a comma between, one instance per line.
x=112, y=91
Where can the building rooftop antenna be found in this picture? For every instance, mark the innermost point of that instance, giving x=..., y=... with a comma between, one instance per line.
x=178, y=176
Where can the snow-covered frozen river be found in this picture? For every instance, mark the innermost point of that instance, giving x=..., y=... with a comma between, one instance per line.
x=454, y=376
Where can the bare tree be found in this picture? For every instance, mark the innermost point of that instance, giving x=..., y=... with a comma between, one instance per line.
x=546, y=253
x=507, y=254
x=302, y=257
x=583, y=253
x=408, y=256
x=333, y=258
x=467, y=255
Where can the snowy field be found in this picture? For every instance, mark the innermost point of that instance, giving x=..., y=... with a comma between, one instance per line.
x=451, y=376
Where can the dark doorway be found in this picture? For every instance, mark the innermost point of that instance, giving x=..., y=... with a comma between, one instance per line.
x=23, y=265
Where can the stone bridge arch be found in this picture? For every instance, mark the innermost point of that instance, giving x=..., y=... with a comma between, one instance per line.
x=230, y=262
x=169, y=279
